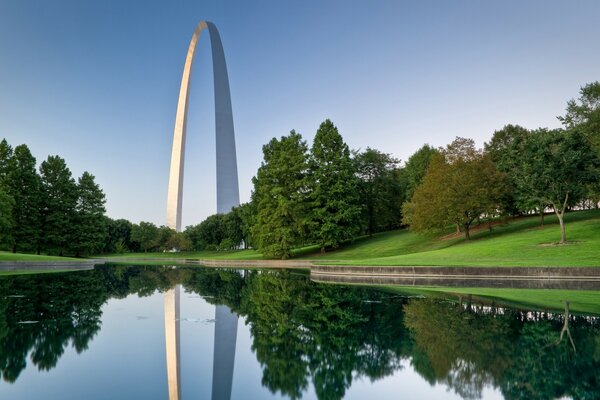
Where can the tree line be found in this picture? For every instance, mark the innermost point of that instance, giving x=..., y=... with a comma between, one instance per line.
x=46, y=210
x=327, y=194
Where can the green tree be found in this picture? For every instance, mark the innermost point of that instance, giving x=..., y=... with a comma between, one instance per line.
x=280, y=188
x=382, y=189
x=506, y=149
x=59, y=202
x=555, y=168
x=584, y=115
x=416, y=167
x=233, y=224
x=335, y=208
x=179, y=241
x=6, y=218
x=146, y=234
x=119, y=235
x=91, y=229
x=461, y=185
x=24, y=186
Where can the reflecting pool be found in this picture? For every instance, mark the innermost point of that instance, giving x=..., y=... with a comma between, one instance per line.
x=159, y=332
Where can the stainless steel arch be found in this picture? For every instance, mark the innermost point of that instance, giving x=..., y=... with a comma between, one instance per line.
x=227, y=178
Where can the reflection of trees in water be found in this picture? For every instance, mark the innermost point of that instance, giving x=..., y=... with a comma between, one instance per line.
x=42, y=315
x=518, y=352
x=326, y=335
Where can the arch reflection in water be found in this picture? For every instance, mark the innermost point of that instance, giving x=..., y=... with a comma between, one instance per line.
x=224, y=347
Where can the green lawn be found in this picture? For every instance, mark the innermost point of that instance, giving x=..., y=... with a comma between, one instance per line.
x=586, y=302
x=520, y=243
x=198, y=255
x=8, y=256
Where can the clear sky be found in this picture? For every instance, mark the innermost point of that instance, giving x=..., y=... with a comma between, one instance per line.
x=96, y=82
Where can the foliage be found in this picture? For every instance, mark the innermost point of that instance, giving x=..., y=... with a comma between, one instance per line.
x=555, y=168
x=146, y=234
x=382, y=190
x=59, y=202
x=6, y=219
x=460, y=186
x=119, y=236
x=335, y=208
x=416, y=167
x=91, y=230
x=280, y=190
x=584, y=115
x=506, y=150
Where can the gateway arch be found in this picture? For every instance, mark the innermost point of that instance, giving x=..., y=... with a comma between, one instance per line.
x=227, y=197
x=227, y=178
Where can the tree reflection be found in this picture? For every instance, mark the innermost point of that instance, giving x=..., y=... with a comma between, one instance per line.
x=327, y=336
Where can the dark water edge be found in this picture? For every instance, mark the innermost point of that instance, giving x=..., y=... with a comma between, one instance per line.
x=66, y=335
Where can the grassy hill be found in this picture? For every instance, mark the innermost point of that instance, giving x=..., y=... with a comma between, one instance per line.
x=521, y=242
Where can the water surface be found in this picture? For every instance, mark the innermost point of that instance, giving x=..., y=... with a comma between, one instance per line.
x=141, y=332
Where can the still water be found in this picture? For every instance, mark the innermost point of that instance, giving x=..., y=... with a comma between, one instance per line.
x=141, y=332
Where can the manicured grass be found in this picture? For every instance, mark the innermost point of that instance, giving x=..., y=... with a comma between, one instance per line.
x=8, y=256
x=199, y=255
x=580, y=301
x=520, y=243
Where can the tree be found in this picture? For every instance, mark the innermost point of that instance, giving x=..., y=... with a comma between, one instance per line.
x=505, y=149
x=280, y=190
x=584, y=114
x=91, y=229
x=59, y=201
x=461, y=185
x=24, y=187
x=119, y=235
x=556, y=168
x=416, y=167
x=381, y=189
x=233, y=225
x=6, y=159
x=6, y=218
x=146, y=234
x=334, y=197
x=179, y=241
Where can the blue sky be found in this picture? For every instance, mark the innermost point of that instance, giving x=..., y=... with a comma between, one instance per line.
x=96, y=82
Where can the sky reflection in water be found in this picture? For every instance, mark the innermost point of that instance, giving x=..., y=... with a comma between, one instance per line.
x=101, y=335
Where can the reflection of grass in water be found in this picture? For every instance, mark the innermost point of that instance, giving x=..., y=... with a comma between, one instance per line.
x=29, y=272
x=581, y=301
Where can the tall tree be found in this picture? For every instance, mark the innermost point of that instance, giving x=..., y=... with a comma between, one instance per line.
x=334, y=197
x=24, y=187
x=280, y=189
x=90, y=231
x=6, y=219
x=505, y=149
x=6, y=159
x=556, y=166
x=381, y=189
x=584, y=114
x=59, y=202
x=416, y=167
x=460, y=186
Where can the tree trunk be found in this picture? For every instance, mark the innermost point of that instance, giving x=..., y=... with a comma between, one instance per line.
x=467, y=233
x=542, y=215
x=561, y=214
